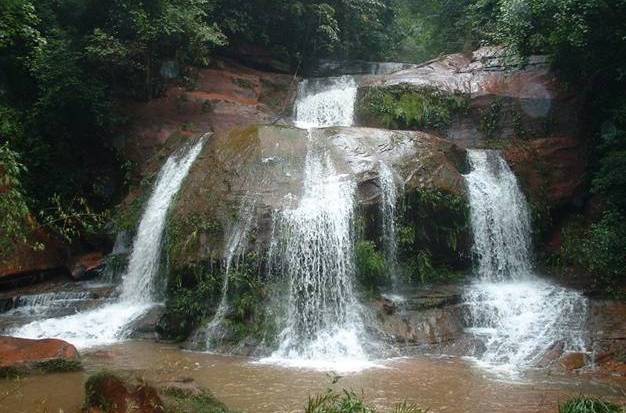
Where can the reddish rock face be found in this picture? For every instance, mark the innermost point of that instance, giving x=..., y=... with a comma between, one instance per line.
x=218, y=99
x=26, y=260
x=550, y=168
x=19, y=352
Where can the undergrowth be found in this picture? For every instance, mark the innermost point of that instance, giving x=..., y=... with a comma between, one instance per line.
x=349, y=402
x=583, y=404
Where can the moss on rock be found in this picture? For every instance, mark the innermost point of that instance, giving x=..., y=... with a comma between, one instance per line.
x=407, y=106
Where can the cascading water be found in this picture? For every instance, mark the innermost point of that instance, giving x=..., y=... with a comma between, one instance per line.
x=138, y=291
x=326, y=102
x=500, y=219
x=314, y=245
x=233, y=250
x=517, y=316
x=389, y=195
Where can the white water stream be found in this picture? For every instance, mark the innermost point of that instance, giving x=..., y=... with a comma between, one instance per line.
x=315, y=245
x=108, y=323
x=235, y=248
x=517, y=315
x=388, y=206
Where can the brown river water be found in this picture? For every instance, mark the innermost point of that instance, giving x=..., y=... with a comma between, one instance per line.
x=440, y=384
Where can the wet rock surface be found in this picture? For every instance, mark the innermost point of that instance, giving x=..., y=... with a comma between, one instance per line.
x=87, y=266
x=429, y=319
x=607, y=329
x=267, y=162
x=552, y=170
x=508, y=99
x=20, y=354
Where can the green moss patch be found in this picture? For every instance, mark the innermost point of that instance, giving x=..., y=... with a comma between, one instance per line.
x=182, y=401
x=59, y=366
x=407, y=106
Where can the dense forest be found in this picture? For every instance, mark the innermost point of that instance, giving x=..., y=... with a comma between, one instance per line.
x=66, y=65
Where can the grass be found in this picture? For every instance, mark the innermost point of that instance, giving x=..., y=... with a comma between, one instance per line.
x=350, y=402
x=583, y=404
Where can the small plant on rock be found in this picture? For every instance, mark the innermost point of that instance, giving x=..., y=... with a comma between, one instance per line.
x=583, y=404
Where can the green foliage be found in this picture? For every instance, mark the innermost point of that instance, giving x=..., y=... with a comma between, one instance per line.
x=584, y=404
x=331, y=402
x=193, y=294
x=349, y=402
x=14, y=226
x=370, y=264
x=408, y=107
x=490, y=119
x=424, y=266
x=429, y=28
x=72, y=219
x=598, y=249
x=247, y=297
x=304, y=30
x=433, y=236
x=610, y=179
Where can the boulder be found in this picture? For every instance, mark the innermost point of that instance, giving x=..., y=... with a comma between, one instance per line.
x=107, y=392
x=145, y=327
x=23, y=355
x=112, y=393
x=573, y=361
x=86, y=266
x=430, y=318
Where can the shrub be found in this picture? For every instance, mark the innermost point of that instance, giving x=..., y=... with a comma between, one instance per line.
x=599, y=249
x=584, y=404
x=433, y=236
x=370, y=264
x=14, y=226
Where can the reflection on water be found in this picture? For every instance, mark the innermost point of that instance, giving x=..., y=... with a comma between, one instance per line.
x=441, y=384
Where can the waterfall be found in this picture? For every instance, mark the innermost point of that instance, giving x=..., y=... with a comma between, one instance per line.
x=314, y=245
x=516, y=315
x=108, y=324
x=138, y=284
x=235, y=247
x=500, y=219
x=389, y=200
x=326, y=102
